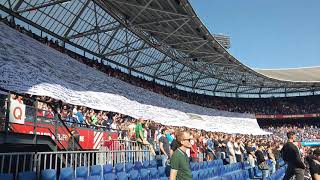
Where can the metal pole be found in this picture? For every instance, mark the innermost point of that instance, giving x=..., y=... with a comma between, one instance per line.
x=6, y=127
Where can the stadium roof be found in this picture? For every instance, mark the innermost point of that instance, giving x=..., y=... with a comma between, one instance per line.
x=306, y=74
x=163, y=40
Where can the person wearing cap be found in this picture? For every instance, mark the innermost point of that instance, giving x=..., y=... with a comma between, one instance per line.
x=291, y=155
x=314, y=164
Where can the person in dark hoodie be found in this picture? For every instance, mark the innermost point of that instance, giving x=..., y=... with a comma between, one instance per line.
x=291, y=155
x=314, y=164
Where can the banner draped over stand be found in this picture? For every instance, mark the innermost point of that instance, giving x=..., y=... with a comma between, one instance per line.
x=27, y=66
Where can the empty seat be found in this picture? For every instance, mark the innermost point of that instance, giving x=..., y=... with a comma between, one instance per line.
x=202, y=174
x=153, y=163
x=6, y=176
x=95, y=170
x=122, y=176
x=48, y=174
x=133, y=175
x=138, y=165
x=195, y=175
x=162, y=171
x=146, y=164
x=109, y=176
x=118, y=167
x=82, y=172
x=94, y=178
x=153, y=173
x=66, y=174
x=163, y=178
x=128, y=167
x=107, y=168
x=144, y=174
x=30, y=175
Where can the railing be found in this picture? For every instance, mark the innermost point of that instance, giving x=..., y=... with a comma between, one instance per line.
x=28, y=161
x=34, y=120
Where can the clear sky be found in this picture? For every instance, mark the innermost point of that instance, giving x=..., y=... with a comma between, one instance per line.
x=266, y=33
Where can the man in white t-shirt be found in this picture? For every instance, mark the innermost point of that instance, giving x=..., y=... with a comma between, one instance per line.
x=231, y=152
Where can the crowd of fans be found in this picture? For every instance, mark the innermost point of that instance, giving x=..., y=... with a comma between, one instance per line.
x=290, y=105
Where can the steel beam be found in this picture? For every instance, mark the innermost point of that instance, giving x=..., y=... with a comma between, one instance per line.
x=157, y=21
x=141, y=11
x=42, y=6
x=16, y=7
x=75, y=19
x=177, y=35
x=148, y=8
x=96, y=30
x=177, y=29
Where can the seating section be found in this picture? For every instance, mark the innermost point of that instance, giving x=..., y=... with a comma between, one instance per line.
x=213, y=170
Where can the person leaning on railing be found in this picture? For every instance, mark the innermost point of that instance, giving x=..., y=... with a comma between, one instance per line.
x=140, y=138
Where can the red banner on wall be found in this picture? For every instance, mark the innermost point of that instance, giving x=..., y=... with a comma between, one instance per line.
x=89, y=138
x=291, y=116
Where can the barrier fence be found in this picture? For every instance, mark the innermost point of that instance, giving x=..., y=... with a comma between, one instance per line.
x=13, y=163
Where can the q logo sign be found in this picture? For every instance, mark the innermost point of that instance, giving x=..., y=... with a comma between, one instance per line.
x=17, y=112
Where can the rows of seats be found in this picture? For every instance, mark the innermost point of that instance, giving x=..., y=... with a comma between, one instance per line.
x=122, y=171
x=216, y=170
x=148, y=170
x=278, y=174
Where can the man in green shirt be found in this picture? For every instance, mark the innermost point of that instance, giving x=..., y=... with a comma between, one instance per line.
x=180, y=168
x=141, y=139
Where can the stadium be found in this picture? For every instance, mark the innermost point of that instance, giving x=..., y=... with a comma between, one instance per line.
x=140, y=89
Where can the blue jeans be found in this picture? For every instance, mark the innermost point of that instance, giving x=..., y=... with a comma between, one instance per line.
x=164, y=159
x=265, y=174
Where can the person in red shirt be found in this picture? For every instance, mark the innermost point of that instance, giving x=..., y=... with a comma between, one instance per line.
x=194, y=150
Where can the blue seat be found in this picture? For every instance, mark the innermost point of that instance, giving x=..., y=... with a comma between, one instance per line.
x=118, y=167
x=153, y=163
x=94, y=178
x=201, y=174
x=66, y=174
x=134, y=175
x=146, y=164
x=6, y=176
x=109, y=176
x=162, y=171
x=122, y=176
x=205, y=164
x=144, y=174
x=82, y=172
x=48, y=174
x=29, y=175
x=138, y=165
x=128, y=167
x=153, y=173
x=257, y=172
x=195, y=175
x=95, y=170
x=163, y=178
x=107, y=168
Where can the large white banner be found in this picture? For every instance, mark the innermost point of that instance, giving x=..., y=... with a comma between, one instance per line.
x=27, y=66
x=17, y=112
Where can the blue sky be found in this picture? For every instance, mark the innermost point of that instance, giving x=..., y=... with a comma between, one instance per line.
x=266, y=33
